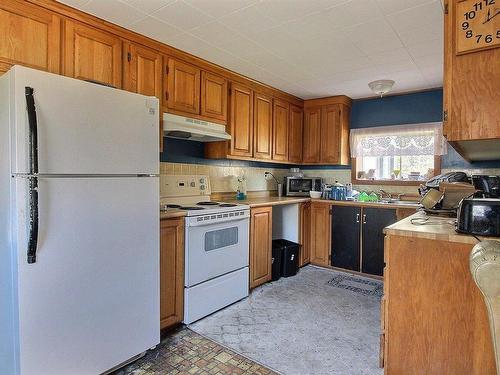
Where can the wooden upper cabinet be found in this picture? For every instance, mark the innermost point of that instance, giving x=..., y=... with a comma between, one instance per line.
x=330, y=134
x=471, y=86
x=260, y=245
x=142, y=69
x=295, y=134
x=183, y=87
x=92, y=54
x=30, y=36
x=214, y=96
x=263, y=126
x=312, y=135
x=241, y=123
x=280, y=130
x=171, y=272
x=320, y=233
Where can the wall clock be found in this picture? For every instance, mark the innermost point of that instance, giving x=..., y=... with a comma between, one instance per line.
x=478, y=25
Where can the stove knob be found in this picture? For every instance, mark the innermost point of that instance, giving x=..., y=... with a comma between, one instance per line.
x=202, y=187
x=202, y=180
x=193, y=184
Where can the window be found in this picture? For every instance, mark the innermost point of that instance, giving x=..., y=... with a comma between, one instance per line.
x=397, y=154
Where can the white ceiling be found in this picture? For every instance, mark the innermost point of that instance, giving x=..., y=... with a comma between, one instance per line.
x=309, y=48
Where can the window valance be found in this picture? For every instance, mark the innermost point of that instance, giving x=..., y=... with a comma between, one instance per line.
x=399, y=140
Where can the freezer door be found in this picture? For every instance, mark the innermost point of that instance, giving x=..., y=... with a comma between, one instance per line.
x=91, y=300
x=83, y=128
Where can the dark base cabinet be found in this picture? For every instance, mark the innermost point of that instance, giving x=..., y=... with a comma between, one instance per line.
x=358, y=238
x=374, y=220
x=345, y=237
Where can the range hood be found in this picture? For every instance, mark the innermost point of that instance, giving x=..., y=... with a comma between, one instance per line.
x=181, y=127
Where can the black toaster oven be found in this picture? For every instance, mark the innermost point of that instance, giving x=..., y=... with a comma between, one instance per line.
x=479, y=216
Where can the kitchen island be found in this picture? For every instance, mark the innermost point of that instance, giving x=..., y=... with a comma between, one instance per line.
x=434, y=320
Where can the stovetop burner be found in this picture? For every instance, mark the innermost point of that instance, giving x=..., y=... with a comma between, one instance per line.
x=173, y=206
x=208, y=203
x=191, y=208
x=227, y=205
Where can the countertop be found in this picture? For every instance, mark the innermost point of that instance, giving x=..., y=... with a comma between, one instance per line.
x=367, y=204
x=270, y=201
x=274, y=201
x=172, y=213
x=433, y=227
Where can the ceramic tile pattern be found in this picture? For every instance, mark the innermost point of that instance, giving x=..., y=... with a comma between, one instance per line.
x=302, y=325
x=223, y=178
x=186, y=352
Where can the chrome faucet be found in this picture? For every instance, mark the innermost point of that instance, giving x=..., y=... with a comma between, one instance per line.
x=383, y=192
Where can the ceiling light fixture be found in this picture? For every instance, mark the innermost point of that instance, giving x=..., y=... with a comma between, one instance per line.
x=381, y=86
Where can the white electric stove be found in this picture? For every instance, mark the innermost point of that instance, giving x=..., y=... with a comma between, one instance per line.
x=216, y=245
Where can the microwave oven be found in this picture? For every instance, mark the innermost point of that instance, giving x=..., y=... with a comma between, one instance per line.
x=479, y=216
x=301, y=186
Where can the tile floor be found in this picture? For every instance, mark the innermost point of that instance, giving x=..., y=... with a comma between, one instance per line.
x=186, y=352
x=302, y=325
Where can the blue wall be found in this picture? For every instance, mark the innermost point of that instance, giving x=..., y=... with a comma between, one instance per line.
x=414, y=108
x=182, y=151
x=392, y=110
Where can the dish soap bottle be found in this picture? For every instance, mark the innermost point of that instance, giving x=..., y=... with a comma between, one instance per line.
x=241, y=192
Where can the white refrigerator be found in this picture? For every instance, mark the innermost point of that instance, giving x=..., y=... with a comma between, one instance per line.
x=79, y=225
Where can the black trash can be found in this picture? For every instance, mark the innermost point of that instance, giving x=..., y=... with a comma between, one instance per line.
x=277, y=260
x=290, y=257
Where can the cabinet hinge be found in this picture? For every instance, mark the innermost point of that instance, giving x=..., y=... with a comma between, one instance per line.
x=166, y=95
x=446, y=8
x=445, y=115
x=330, y=211
x=166, y=69
x=129, y=56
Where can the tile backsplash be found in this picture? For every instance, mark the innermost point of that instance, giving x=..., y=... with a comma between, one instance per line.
x=224, y=178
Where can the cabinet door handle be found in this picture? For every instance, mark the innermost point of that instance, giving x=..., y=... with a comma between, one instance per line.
x=364, y=218
x=357, y=218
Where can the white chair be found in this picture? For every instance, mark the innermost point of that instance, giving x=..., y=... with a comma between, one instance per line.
x=485, y=269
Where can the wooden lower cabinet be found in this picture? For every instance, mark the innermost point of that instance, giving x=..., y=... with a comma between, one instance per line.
x=305, y=234
x=320, y=233
x=171, y=272
x=435, y=320
x=260, y=245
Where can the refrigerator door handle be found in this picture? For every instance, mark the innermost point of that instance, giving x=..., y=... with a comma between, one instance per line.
x=33, y=219
x=33, y=179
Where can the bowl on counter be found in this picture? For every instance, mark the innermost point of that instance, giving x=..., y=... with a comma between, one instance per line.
x=315, y=194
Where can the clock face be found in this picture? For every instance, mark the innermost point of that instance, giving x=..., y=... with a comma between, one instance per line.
x=478, y=25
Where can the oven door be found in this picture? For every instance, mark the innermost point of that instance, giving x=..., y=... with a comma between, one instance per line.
x=215, y=248
x=299, y=186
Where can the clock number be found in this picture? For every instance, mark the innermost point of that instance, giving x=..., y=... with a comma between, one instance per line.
x=468, y=34
x=470, y=15
x=489, y=2
x=465, y=25
x=478, y=6
x=478, y=37
x=498, y=34
x=488, y=38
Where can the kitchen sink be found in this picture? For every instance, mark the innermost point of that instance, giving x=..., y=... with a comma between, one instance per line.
x=398, y=201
